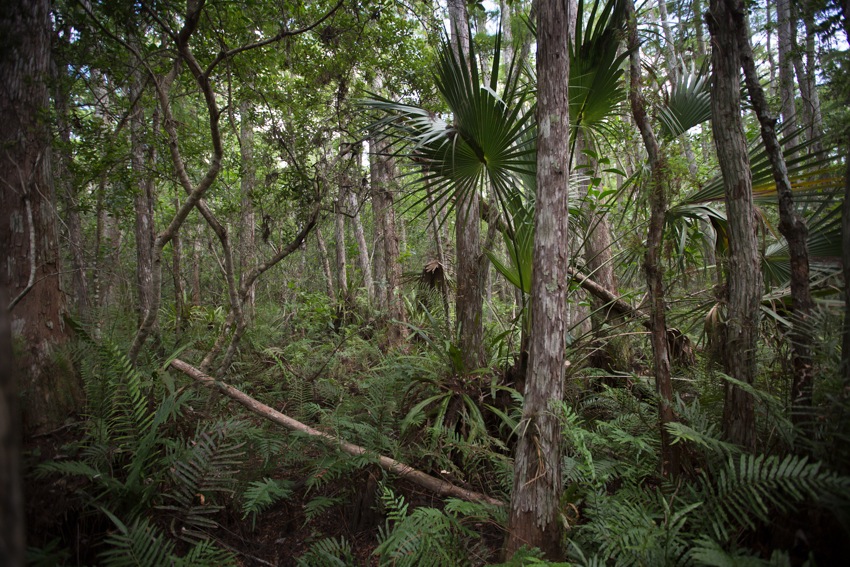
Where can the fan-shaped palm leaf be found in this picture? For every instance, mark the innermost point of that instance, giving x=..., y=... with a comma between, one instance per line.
x=688, y=105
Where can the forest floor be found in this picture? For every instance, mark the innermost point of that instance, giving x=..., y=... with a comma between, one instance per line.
x=279, y=536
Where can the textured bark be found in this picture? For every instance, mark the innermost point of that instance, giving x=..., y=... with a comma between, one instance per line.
x=654, y=271
x=12, y=536
x=383, y=184
x=362, y=247
x=786, y=65
x=535, y=500
x=143, y=201
x=339, y=238
x=326, y=265
x=67, y=194
x=29, y=266
x=771, y=63
x=698, y=19
x=377, y=172
x=176, y=276
x=247, y=220
x=469, y=299
x=791, y=224
x=437, y=486
x=744, y=276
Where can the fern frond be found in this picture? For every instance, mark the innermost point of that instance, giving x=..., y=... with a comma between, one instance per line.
x=752, y=487
x=261, y=494
x=328, y=552
x=139, y=545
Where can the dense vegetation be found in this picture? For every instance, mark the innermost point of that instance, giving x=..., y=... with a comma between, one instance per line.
x=391, y=283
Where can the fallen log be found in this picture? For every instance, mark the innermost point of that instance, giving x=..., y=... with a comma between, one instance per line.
x=433, y=484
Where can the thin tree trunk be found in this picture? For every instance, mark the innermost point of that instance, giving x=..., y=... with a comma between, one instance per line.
x=698, y=20
x=533, y=519
x=786, y=67
x=845, y=227
x=469, y=298
x=791, y=225
x=341, y=259
x=196, y=269
x=176, y=276
x=68, y=196
x=744, y=279
x=771, y=62
x=326, y=266
x=654, y=271
x=29, y=247
x=247, y=221
x=376, y=177
x=441, y=258
x=362, y=248
x=143, y=202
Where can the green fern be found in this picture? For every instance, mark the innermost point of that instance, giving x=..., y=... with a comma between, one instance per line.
x=328, y=552
x=261, y=494
x=425, y=536
x=202, y=467
x=750, y=488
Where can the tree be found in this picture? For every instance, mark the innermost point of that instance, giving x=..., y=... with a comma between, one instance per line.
x=791, y=223
x=30, y=267
x=744, y=279
x=467, y=231
x=658, y=187
x=537, y=484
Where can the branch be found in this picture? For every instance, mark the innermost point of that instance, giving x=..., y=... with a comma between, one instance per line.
x=262, y=43
x=436, y=485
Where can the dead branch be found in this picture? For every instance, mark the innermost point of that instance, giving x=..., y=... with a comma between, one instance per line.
x=435, y=485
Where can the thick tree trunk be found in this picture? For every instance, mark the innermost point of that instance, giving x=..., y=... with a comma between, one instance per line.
x=29, y=264
x=12, y=521
x=247, y=221
x=535, y=501
x=654, y=271
x=791, y=225
x=744, y=279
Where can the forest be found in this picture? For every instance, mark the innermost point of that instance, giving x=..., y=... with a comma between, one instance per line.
x=442, y=283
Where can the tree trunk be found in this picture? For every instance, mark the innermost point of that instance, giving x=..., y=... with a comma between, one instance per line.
x=744, y=278
x=326, y=266
x=247, y=221
x=698, y=20
x=811, y=99
x=68, y=196
x=29, y=264
x=376, y=179
x=791, y=225
x=143, y=201
x=196, y=269
x=654, y=271
x=341, y=260
x=382, y=175
x=535, y=501
x=845, y=228
x=12, y=520
x=362, y=248
x=786, y=67
x=469, y=299
x=768, y=29
x=176, y=269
